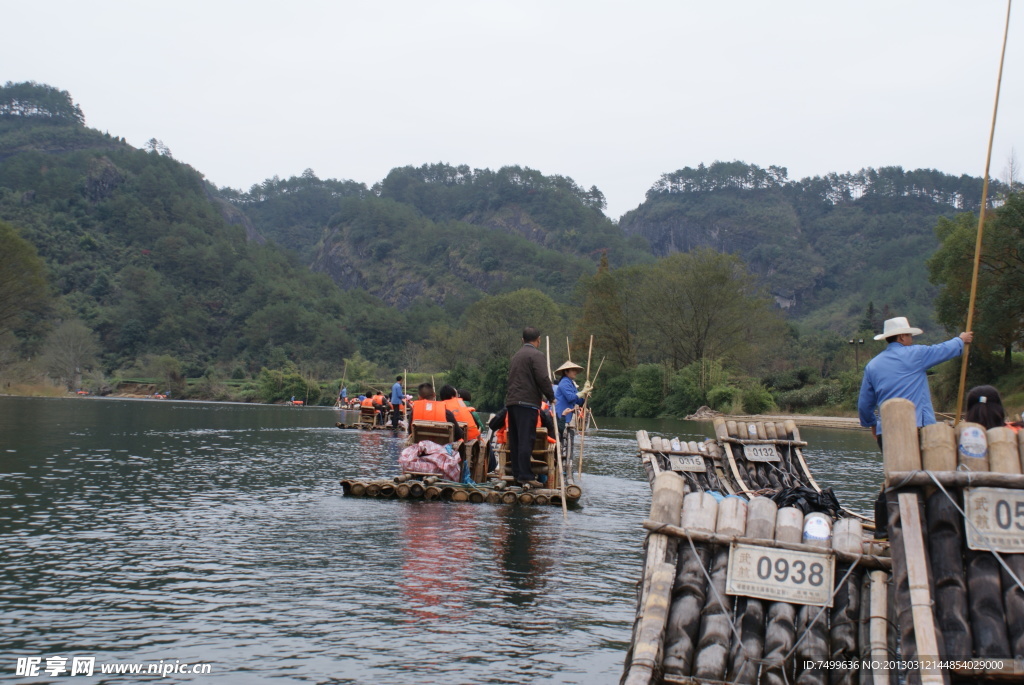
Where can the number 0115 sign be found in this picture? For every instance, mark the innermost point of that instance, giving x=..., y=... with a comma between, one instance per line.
x=780, y=574
x=995, y=519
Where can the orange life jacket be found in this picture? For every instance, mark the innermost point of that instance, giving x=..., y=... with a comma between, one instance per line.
x=368, y=402
x=501, y=435
x=544, y=406
x=457, y=407
x=428, y=410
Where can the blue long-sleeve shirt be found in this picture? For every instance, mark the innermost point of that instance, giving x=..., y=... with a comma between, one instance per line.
x=565, y=397
x=899, y=371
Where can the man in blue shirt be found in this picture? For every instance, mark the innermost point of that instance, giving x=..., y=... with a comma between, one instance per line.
x=397, y=401
x=899, y=371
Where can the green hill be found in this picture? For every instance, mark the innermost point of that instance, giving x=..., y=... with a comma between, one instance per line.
x=825, y=247
x=137, y=246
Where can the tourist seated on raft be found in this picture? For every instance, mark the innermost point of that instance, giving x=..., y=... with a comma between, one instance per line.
x=427, y=408
x=450, y=397
x=467, y=397
x=985, y=407
x=499, y=425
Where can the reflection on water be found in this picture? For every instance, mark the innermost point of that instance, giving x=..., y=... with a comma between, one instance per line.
x=141, y=531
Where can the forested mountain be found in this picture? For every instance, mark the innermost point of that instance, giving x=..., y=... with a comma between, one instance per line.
x=825, y=246
x=449, y=234
x=137, y=248
x=154, y=260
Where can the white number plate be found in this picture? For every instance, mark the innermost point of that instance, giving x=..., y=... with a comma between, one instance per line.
x=998, y=518
x=761, y=453
x=689, y=462
x=780, y=574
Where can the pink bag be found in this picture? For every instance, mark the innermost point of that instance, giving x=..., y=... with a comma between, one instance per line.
x=429, y=457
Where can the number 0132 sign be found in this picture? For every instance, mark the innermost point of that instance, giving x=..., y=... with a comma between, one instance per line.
x=997, y=515
x=780, y=574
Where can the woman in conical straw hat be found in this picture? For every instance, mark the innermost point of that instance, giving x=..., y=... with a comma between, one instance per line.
x=567, y=398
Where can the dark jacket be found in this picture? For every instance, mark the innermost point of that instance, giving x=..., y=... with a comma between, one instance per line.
x=528, y=381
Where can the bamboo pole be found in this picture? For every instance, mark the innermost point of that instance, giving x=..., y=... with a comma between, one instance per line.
x=712, y=659
x=699, y=513
x=558, y=442
x=981, y=224
x=780, y=626
x=879, y=626
x=846, y=605
x=586, y=401
x=746, y=654
x=911, y=572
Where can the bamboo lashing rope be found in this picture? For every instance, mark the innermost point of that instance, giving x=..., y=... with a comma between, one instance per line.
x=981, y=225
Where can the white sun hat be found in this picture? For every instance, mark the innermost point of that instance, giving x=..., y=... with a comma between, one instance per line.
x=897, y=326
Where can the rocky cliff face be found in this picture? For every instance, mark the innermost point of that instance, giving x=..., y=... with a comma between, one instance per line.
x=233, y=215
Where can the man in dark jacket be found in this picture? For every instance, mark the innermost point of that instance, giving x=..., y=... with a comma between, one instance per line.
x=528, y=385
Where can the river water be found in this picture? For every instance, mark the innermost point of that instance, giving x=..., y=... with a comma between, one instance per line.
x=179, y=532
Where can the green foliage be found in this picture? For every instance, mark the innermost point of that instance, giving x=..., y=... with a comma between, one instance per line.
x=23, y=288
x=646, y=392
x=757, y=399
x=135, y=247
x=280, y=385
x=1000, y=291
x=612, y=388
x=722, y=397
x=824, y=394
x=31, y=99
x=689, y=387
x=823, y=246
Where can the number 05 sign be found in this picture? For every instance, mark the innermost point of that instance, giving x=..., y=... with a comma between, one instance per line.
x=780, y=574
x=997, y=515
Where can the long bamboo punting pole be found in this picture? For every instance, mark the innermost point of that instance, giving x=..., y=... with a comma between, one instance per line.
x=586, y=402
x=558, y=442
x=981, y=223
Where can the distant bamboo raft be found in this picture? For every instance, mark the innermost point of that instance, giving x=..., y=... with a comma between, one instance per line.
x=433, y=488
x=955, y=501
x=737, y=590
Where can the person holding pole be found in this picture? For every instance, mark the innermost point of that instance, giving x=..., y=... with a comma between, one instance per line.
x=899, y=371
x=567, y=398
x=397, y=398
x=528, y=385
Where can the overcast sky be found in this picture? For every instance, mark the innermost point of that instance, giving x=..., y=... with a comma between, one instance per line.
x=612, y=94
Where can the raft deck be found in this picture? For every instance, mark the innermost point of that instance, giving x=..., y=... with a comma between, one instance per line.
x=736, y=589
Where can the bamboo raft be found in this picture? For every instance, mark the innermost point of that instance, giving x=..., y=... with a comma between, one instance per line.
x=736, y=589
x=365, y=418
x=955, y=503
x=492, y=488
x=433, y=488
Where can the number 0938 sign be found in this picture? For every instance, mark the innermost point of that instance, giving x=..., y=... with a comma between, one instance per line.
x=995, y=519
x=780, y=574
